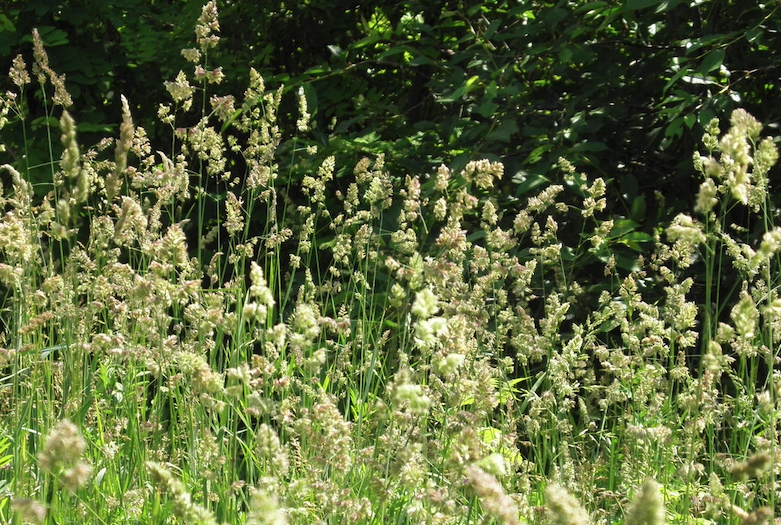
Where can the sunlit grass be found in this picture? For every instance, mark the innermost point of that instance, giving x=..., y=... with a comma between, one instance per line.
x=187, y=342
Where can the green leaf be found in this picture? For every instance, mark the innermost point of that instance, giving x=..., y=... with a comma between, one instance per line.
x=491, y=29
x=753, y=34
x=636, y=240
x=622, y=261
x=635, y=5
x=504, y=131
x=422, y=60
x=609, y=16
x=311, y=98
x=366, y=41
x=317, y=70
x=565, y=55
x=622, y=227
x=674, y=129
x=6, y=24
x=487, y=109
x=529, y=183
x=336, y=51
x=713, y=60
x=41, y=122
x=53, y=37
x=89, y=127
x=608, y=326
x=705, y=41
x=468, y=86
x=537, y=153
x=588, y=7
x=393, y=51
x=638, y=208
x=593, y=146
x=676, y=77
x=368, y=138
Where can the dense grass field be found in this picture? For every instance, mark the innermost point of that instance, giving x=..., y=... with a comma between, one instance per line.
x=193, y=336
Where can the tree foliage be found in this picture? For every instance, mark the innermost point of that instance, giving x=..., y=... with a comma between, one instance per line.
x=621, y=89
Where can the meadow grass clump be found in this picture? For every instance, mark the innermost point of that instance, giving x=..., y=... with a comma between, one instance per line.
x=185, y=338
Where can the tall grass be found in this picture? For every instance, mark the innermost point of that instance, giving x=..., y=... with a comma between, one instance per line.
x=187, y=339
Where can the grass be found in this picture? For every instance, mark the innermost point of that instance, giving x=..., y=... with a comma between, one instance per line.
x=187, y=339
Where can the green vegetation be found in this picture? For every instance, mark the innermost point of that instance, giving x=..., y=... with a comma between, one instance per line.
x=233, y=315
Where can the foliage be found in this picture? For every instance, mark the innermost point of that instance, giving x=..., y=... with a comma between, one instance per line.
x=620, y=89
x=451, y=81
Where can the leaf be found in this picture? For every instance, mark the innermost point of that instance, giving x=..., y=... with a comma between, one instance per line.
x=487, y=109
x=317, y=70
x=311, y=98
x=636, y=5
x=753, y=34
x=469, y=86
x=508, y=390
x=565, y=55
x=713, y=60
x=6, y=24
x=676, y=77
x=608, y=326
x=593, y=146
x=622, y=227
x=393, y=51
x=41, y=122
x=89, y=127
x=638, y=208
x=674, y=129
x=590, y=7
x=366, y=41
x=622, y=261
x=553, y=16
x=367, y=138
x=609, y=16
x=504, y=131
x=537, y=153
x=422, y=60
x=706, y=41
x=491, y=29
x=51, y=36
x=629, y=186
x=530, y=183
x=706, y=115
x=636, y=240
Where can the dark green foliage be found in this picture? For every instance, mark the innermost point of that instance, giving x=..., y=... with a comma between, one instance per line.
x=612, y=85
x=620, y=89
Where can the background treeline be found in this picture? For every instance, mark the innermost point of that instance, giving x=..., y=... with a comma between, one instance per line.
x=621, y=89
x=428, y=82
